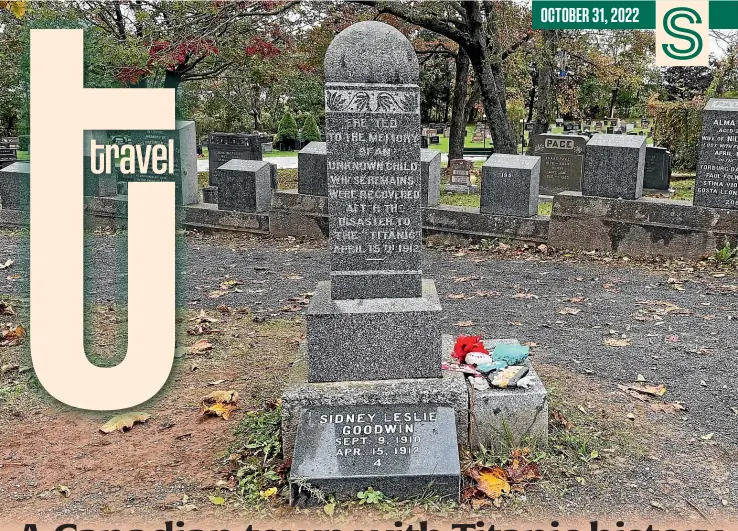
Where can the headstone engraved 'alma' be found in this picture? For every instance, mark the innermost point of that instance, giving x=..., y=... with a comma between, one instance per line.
x=716, y=184
x=372, y=330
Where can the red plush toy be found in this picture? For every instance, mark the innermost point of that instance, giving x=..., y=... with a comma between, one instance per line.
x=466, y=344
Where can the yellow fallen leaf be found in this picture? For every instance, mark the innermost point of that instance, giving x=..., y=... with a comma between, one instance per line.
x=216, y=500
x=219, y=403
x=268, y=493
x=124, y=422
x=199, y=346
x=491, y=481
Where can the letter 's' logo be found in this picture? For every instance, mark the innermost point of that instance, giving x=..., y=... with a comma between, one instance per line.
x=682, y=38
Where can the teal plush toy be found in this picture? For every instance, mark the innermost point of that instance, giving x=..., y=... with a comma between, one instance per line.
x=510, y=354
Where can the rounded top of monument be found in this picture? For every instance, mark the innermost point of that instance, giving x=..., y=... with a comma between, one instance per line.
x=371, y=52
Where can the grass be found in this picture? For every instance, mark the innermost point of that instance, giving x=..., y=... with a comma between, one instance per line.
x=683, y=188
x=472, y=201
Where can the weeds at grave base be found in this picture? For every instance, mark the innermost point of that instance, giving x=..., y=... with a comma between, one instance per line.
x=727, y=254
x=257, y=455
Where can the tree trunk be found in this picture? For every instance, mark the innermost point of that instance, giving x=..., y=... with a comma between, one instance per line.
x=458, y=113
x=545, y=88
x=613, y=99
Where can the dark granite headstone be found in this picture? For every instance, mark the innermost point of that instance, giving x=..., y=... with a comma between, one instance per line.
x=373, y=150
x=404, y=451
x=562, y=162
x=245, y=186
x=185, y=160
x=223, y=147
x=717, y=169
x=510, y=185
x=657, y=171
x=434, y=139
x=210, y=195
x=430, y=170
x=15, y=186
x=312, y=171
x=613, y=166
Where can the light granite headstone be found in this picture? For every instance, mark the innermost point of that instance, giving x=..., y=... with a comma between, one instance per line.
x=244, y=186
x=15, y=186
x=657, y=171
x=716, y=184
x=613, y=166
x=562, y=162
x=185, y=160
x=510, y=185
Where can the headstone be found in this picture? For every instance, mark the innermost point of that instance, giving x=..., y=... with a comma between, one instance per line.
x=102, y=185
x=657, y=171
x=447, y=132
x=459, y=179
x=312, y=172
x=210, y=195
x=716, y=184
x=223, y=147
x=245, y=186
x=613, y=166
x=510, y=185
x=434, y=139
x=403, y=448
x=562, y=162
x=185, y=160
x=430, y=175
x=477, y=137
x=610, y=130
x=267, y=147
x=376, y=304
x=15, y=186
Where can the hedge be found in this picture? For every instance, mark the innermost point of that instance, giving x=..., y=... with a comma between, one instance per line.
x=678, y=127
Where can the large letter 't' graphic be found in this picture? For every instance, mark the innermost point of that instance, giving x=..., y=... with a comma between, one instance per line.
x=59, y=99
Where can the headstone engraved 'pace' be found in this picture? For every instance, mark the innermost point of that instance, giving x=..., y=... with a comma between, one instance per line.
x=374, y=189
x=717, y=170
x=562, y=162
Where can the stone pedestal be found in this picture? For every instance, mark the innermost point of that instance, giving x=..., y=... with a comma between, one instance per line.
x=15, y=186
x=373, y=339
x=510, y=185
x=245, y=186
x=614, y=166
x=312, y=174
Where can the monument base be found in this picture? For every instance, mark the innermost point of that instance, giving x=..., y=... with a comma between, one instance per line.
x=449, y=390
x=373, y=339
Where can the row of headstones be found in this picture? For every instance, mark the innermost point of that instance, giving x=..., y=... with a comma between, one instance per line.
x=8, y=150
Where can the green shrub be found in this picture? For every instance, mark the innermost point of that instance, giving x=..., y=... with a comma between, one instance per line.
x=678, y=127
x=310, y=131
x=287, y=131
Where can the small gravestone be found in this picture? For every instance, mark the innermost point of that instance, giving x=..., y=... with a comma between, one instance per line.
x=562, y=162
x=459, y=180
x=430, y=175
x=210, y=195
x=434, y=139
x=716, y=184
x=311, y=170
x=223, y=147
x=657, y=171
x=613, y=166
x=267, y=147
x=510, y=185
x=245, y=186
x=8, y=156
x=185, y=161
x=405, y=449
x=15, y=186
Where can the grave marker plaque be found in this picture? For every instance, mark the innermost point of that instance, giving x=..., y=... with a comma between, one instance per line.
x=562, y=162
x=716, y=184
x=406, y=449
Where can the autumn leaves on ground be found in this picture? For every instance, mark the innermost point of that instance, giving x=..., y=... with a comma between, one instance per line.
x=207, y=446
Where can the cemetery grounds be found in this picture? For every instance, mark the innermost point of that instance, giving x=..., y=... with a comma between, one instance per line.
x=598, y=327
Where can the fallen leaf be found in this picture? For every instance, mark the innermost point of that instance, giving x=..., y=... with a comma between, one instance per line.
x=616, y=342
x=6, y=309
x=15, y=276
x=203, y=318
x=124, y=422
x=199, y=346
x=707, y=437
x=63, y=490
x=329, y=509
x=216, y=500
x=668, y=407
x=491, y=481
x=569, y=311
x=216, y=294
x=294, y=277
x=219, y=403
x=562, y=420
x=525, y=296
x=268, y=493
x=456, y=295
x=464, y=324
x=520, y=471
x=11, y=336
x=577, y=300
